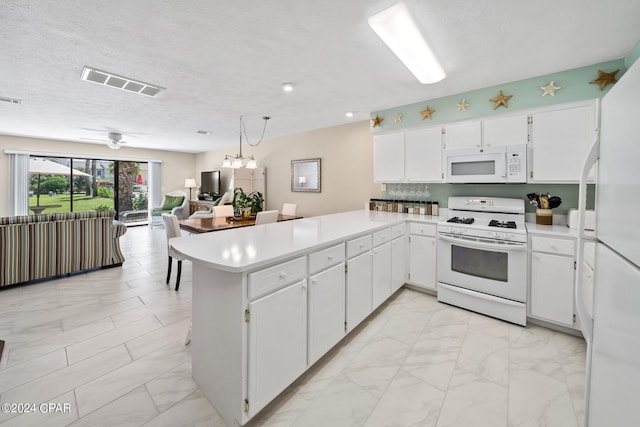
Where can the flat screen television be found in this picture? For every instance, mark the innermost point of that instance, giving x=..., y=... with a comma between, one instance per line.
x=210, y=183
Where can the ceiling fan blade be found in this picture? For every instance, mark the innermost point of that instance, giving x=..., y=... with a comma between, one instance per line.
x=95, y=139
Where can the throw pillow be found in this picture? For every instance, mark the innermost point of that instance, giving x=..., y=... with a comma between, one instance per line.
x=171, y=202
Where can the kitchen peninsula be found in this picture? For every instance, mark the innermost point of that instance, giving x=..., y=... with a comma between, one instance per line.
x=269, y=301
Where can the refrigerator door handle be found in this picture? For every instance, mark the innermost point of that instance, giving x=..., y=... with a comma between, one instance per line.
x=585, y=320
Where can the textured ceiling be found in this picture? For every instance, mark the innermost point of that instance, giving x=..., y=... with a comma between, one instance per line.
x=222, y=59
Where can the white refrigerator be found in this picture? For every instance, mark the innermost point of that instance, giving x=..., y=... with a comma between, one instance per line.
x=612, y=327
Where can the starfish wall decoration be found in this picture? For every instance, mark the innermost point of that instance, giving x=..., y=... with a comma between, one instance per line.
x=463, y=105
x=549, y=89
x=605, y=78
x=397, y=117
x=376, y=121
x=501, y=99
x=427, y=112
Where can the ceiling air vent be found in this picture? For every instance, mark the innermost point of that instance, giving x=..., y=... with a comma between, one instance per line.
x=119, y=82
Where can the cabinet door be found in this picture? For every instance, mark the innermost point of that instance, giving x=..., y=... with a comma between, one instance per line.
x=398, y=262
x=462, y=135
x=423, y=155
x=326, y=310
x=552, y=279
x=560, y=142
x=505, y=131
x=381, y=274
x=358, y=289
x=388, y=157
x=422, y=262
x=277, y=347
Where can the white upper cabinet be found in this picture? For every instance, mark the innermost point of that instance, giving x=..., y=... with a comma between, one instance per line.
x=560, y=140
x=505, y=131
x=388, y=157
x=463, y=135
x=423, y=159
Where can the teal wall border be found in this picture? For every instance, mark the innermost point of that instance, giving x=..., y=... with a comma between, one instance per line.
x=527, y=94
x=632, y=56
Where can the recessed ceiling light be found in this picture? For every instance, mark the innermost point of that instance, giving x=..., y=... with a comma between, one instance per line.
x=349, y=114
x=287, y=87
x=119, y=82
x=204, y=132
x=398, y=30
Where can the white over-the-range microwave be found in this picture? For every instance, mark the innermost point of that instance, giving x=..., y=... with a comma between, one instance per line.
x=503, y=164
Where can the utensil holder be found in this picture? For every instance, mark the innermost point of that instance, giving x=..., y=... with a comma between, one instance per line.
x=544, y=216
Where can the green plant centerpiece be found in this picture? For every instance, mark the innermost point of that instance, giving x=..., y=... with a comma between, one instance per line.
x=247, y=204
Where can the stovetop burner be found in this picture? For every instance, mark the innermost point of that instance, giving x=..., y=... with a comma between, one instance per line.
x=458, y=220
x=502, y=224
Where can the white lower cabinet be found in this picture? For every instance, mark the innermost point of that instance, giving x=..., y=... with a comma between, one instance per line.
x=398, y=262
x=359, y=277
x=277, y=343
x=552, y=280
x=326, y=310
x=381, y=274
x=422, y=255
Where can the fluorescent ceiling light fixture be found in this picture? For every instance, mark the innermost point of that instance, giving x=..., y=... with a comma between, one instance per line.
x=348, y=114
x=119, y=82
x=287, y=87
x=398, y=30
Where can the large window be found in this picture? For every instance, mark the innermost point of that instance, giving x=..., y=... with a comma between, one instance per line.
x=58, y=184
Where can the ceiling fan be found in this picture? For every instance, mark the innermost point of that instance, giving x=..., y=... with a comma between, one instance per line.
x=114, y=142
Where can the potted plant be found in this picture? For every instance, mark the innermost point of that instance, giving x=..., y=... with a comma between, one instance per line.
x=247, y=204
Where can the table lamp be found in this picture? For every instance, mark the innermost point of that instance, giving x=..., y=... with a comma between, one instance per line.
x=190, y=183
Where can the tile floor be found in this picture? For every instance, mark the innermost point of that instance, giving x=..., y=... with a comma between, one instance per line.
x=110, y=344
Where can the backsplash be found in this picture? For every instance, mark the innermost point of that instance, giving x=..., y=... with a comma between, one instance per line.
x=441, y=192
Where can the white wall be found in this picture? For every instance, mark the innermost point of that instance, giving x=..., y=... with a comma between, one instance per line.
x=346, y=154
x=175, y=166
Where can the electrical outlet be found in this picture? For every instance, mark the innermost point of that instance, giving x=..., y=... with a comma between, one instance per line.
x=383, y=187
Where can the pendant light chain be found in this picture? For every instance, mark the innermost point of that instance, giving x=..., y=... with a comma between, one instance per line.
x=238, y=160
x=244, y=130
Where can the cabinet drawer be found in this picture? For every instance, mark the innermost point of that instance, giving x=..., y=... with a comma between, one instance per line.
x=551, y=245
x=380, y=237
x=398, y=230
x=422, y=229
x=268, y=280
x=358, y=246
x=326, y=258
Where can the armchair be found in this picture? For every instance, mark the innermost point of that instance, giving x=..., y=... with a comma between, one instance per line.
x=174, y=203
x=226, y=198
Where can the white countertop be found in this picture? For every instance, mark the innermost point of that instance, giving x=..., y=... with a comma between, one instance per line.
x=555, y=230
x=248, y=248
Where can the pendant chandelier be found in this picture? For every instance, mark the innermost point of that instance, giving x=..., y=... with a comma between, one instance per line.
x=238, y=161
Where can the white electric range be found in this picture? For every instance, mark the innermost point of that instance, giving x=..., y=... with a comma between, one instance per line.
x=482, y=257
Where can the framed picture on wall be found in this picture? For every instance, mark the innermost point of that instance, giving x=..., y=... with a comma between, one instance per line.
x=305, y=175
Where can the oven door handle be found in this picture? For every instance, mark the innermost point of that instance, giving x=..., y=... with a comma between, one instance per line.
x=513, y=246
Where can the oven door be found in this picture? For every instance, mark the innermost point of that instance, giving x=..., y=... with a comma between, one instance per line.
x=483, y=265
x=477, y=165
